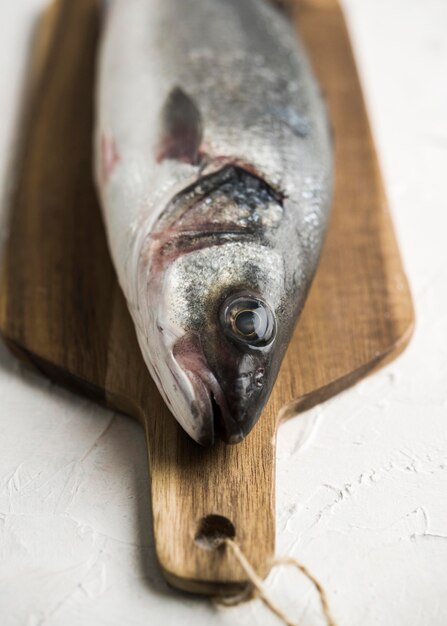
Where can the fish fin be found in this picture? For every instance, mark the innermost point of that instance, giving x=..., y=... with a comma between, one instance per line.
x=181, y=128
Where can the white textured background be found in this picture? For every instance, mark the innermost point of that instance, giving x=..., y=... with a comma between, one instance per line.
x=362, y=480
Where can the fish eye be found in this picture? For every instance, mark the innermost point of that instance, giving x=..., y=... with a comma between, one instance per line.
x=249, y=320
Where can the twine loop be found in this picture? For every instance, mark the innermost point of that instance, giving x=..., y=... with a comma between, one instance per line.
x=258, y=588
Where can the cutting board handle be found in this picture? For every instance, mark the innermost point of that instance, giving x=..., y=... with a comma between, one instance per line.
x=199, y=494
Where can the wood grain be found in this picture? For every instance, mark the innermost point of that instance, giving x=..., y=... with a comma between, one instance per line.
x=61, y=309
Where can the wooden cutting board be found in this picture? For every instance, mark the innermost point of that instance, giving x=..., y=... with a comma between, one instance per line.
x=62, y=312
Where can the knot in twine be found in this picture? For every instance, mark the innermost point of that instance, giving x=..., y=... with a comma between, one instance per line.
x=258, y=588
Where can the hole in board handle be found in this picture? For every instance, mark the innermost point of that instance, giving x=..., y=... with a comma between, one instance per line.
x=213, y=530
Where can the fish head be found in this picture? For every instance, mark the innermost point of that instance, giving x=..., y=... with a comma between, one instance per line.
x=240, y=347
x=220, y=328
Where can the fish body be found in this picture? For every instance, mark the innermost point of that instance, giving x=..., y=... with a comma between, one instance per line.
x=214, y=171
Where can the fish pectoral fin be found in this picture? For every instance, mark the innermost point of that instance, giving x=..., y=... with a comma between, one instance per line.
x=181, y=128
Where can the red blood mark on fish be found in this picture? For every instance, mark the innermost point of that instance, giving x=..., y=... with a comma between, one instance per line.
x=109, y=158
x=188, y=353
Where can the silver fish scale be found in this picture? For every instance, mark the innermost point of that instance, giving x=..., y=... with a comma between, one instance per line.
x=230, y=197
x=258, y=99
x=196, y=281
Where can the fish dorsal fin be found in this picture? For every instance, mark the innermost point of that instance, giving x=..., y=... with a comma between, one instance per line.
x=181, y=128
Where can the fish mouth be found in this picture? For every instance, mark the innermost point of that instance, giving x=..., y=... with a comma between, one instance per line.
x=210, y=411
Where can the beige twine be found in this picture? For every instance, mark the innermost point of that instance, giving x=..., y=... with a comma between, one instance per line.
x=261, y=592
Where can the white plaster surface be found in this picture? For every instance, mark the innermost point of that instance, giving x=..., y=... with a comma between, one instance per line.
x=361, y=480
